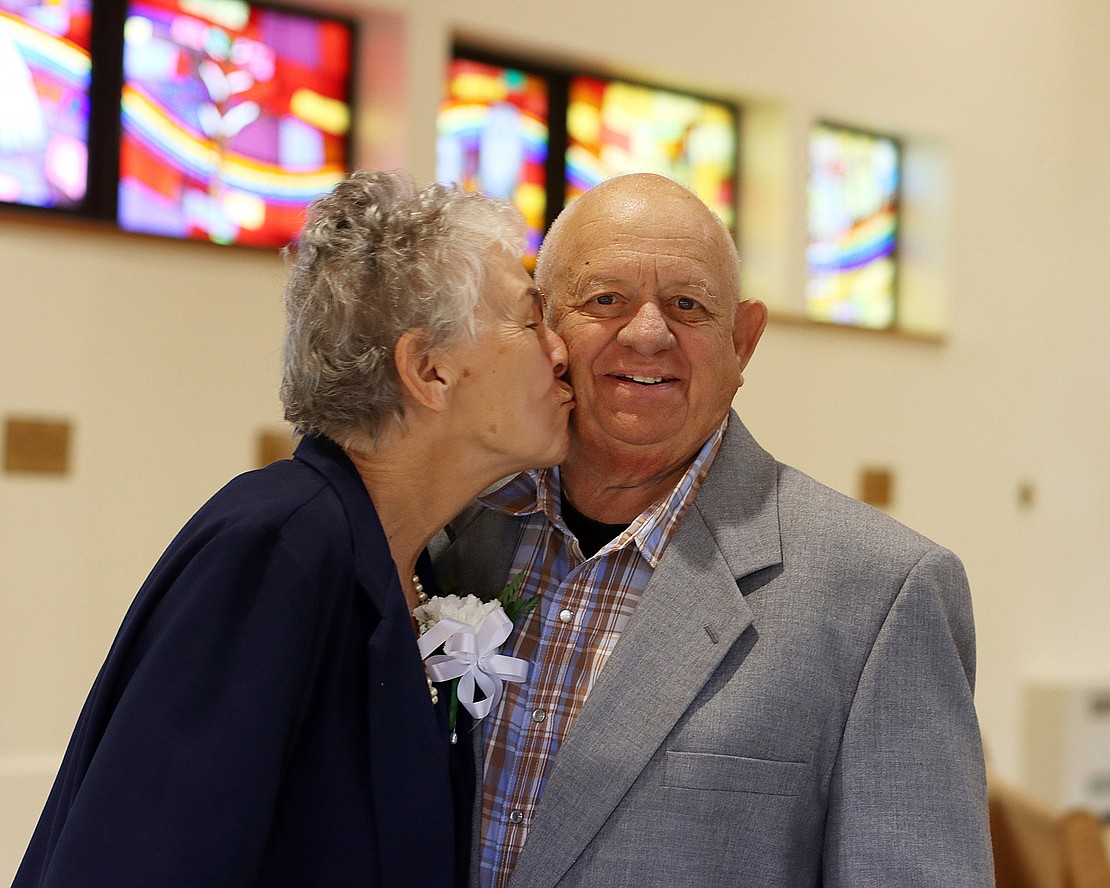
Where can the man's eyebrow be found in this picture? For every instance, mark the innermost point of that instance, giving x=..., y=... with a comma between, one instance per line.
x=594, y=283
x=701, y=287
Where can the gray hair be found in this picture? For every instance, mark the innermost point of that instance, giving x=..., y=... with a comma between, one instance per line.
x=377, y=257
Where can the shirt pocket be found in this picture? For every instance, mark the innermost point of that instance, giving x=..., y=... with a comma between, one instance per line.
x=732, y=773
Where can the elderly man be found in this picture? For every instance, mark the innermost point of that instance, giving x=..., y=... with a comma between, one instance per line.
x=738, y=676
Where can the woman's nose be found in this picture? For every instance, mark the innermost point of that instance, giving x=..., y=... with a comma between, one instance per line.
x=557, y=349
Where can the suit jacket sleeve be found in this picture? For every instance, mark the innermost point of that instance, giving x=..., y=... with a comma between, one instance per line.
x=907, y=794
x=173, y=771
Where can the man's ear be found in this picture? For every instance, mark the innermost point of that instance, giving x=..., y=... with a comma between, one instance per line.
x=426, y=374
x=747, y=328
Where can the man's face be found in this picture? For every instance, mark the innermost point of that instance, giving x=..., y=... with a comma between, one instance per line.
x=643, y=290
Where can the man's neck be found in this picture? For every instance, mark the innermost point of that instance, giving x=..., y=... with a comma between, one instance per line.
x=617, y=491
x=591, y=535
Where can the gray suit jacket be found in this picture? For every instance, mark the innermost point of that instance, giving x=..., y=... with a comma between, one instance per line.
x=790, y=704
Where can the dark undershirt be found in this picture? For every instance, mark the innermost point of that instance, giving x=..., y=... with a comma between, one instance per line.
x=592, y=535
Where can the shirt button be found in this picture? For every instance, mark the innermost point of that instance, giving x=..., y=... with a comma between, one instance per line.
x=565, y=615
x=516, y=816
x=538, y=715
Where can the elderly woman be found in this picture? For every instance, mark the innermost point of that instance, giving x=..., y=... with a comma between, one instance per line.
x=264, y=716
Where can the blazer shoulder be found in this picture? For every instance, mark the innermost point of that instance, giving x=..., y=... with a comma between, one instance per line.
x=271, y=496
x=811, y=510
x=286, y=514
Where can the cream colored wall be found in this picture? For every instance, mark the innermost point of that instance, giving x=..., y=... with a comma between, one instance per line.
x=165, y=354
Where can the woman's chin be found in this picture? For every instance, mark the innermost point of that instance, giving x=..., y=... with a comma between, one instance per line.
x=564, y=449
x=552, y=454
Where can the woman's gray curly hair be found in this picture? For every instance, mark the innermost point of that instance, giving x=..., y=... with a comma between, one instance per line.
x=376, y=257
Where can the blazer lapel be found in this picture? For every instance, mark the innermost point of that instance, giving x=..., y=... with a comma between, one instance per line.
x=687, y=620
x=485, y=568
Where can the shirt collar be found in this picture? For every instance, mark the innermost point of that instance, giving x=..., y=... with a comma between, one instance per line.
x=538, y=490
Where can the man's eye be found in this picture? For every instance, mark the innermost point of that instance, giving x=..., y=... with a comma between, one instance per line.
x=686, y=303
x=606, y=299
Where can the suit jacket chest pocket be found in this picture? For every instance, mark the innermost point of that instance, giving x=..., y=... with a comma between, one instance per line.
x=732, y=773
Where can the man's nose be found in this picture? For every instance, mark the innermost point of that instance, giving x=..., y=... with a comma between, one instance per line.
x=647, y=331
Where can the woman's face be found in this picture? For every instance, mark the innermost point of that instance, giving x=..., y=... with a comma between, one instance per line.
x=510, y=400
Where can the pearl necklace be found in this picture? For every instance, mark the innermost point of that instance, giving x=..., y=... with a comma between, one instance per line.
x=421, y=597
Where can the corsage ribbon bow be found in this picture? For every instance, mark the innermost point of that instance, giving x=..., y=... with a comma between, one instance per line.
x=472, y=657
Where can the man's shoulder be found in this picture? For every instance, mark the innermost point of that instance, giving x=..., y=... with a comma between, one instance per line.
x=747, y=480
x=807, y=506
x=828, y=550
x=750, y=494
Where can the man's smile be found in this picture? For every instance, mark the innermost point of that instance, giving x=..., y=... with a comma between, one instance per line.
x=643, y=380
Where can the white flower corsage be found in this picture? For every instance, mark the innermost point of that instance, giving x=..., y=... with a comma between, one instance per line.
x=460, y=639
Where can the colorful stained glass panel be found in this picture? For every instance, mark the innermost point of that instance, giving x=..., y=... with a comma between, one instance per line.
x=852, y=218
x=234, y=117
x=614, y=127
x=492, y=136
x=45, y=72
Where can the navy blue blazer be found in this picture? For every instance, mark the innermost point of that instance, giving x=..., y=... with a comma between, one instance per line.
x=263, y=716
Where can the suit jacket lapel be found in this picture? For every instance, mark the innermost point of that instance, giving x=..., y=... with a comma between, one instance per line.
x=687, y=620
x=486, y=567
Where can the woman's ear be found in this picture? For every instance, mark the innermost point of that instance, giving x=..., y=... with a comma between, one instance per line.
x=426, y=374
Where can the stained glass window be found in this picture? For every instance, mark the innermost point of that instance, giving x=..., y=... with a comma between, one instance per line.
x=852, y=220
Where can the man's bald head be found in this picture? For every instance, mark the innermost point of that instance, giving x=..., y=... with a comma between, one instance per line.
x=636, y=201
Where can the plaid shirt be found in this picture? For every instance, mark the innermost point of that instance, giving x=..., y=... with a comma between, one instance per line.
x=584, y=606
